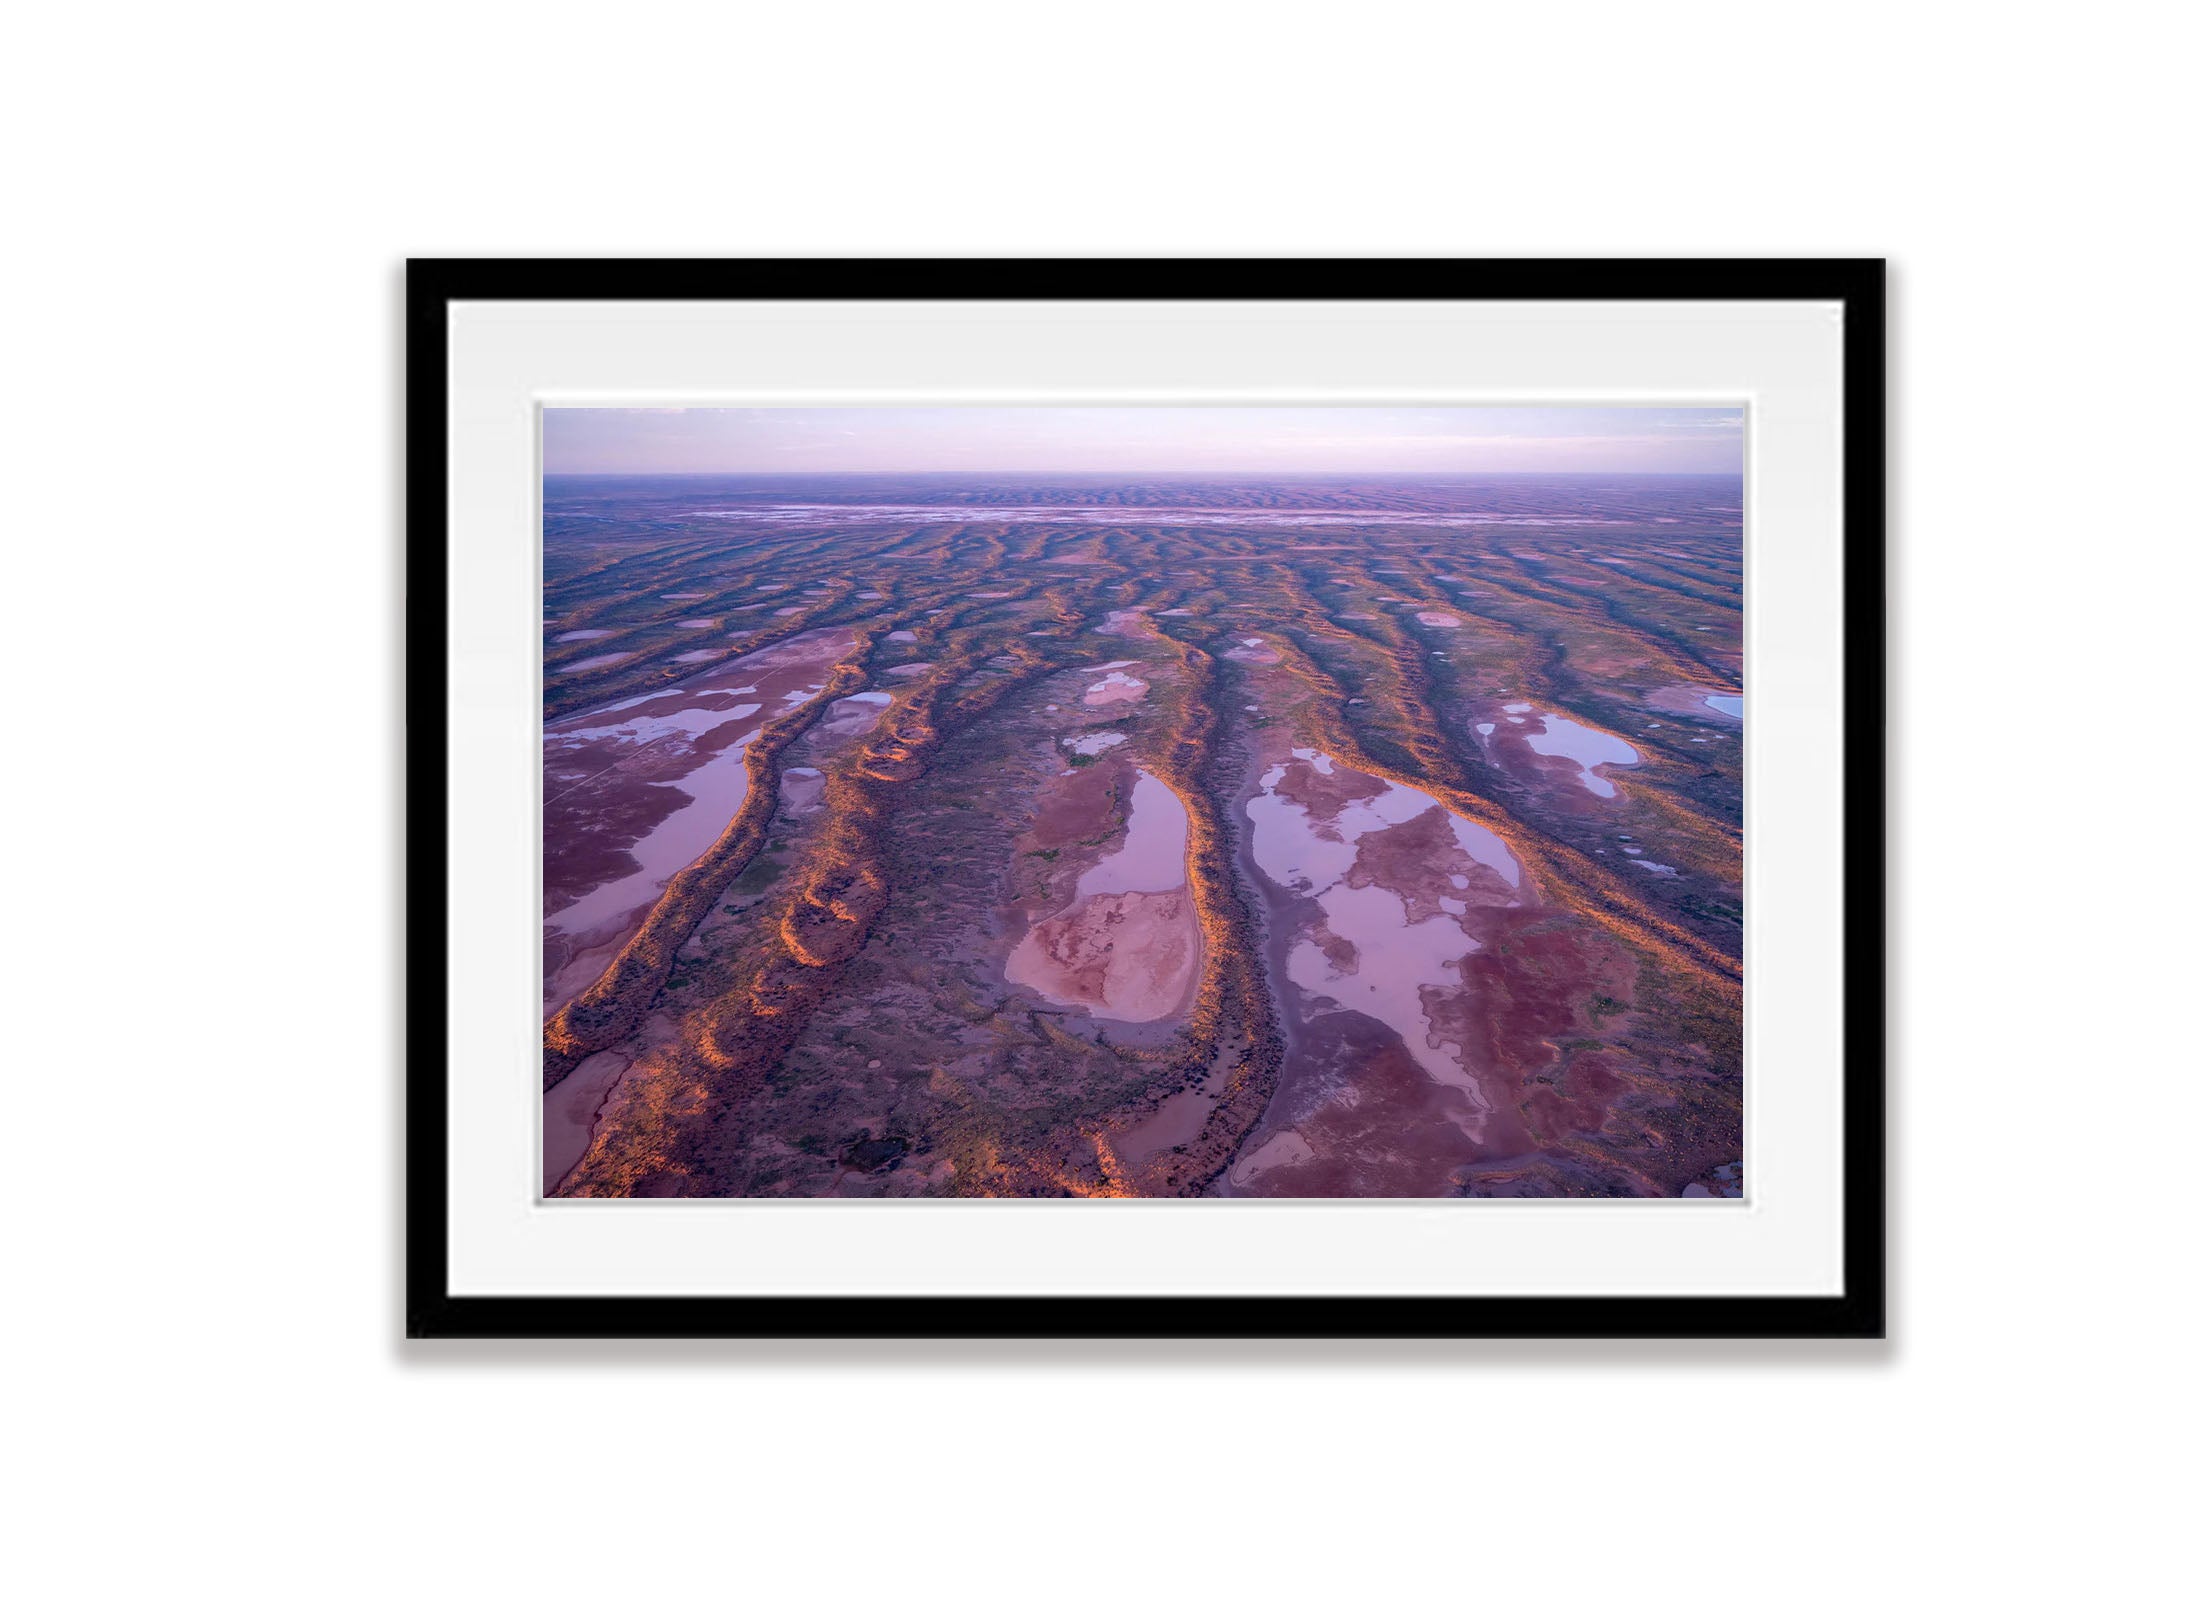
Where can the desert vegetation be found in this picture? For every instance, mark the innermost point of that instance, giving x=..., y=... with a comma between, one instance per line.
x=943, y=693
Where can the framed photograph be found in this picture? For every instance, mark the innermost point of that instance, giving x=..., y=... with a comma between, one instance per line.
x=1145, y=798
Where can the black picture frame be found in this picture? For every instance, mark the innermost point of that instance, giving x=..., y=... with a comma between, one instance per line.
x=432, y=1311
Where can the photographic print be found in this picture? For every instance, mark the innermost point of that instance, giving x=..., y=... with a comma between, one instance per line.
x=1174, y=802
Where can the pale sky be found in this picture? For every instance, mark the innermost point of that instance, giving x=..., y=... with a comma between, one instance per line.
x=1216, y=439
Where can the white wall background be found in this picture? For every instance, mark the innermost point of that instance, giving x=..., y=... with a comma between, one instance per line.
x=209, y=205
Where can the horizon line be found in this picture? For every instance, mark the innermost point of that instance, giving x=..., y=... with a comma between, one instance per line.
x=1122, y=472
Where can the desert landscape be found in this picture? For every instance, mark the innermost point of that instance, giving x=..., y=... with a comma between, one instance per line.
x=1147, y=834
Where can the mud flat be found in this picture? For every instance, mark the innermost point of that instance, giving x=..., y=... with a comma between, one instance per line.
x=1178, y=1119
x=1588, y=748
x=1393, y=903
x=635, y=791
x=852, y=716
x=1556, y=750
x=1116, y=688
x=1128, y=946
x=1379, y=896
x=800, y=790
x=569, y=1113
x=1286, y=1149
x=1695, y=699
x=599, y=920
